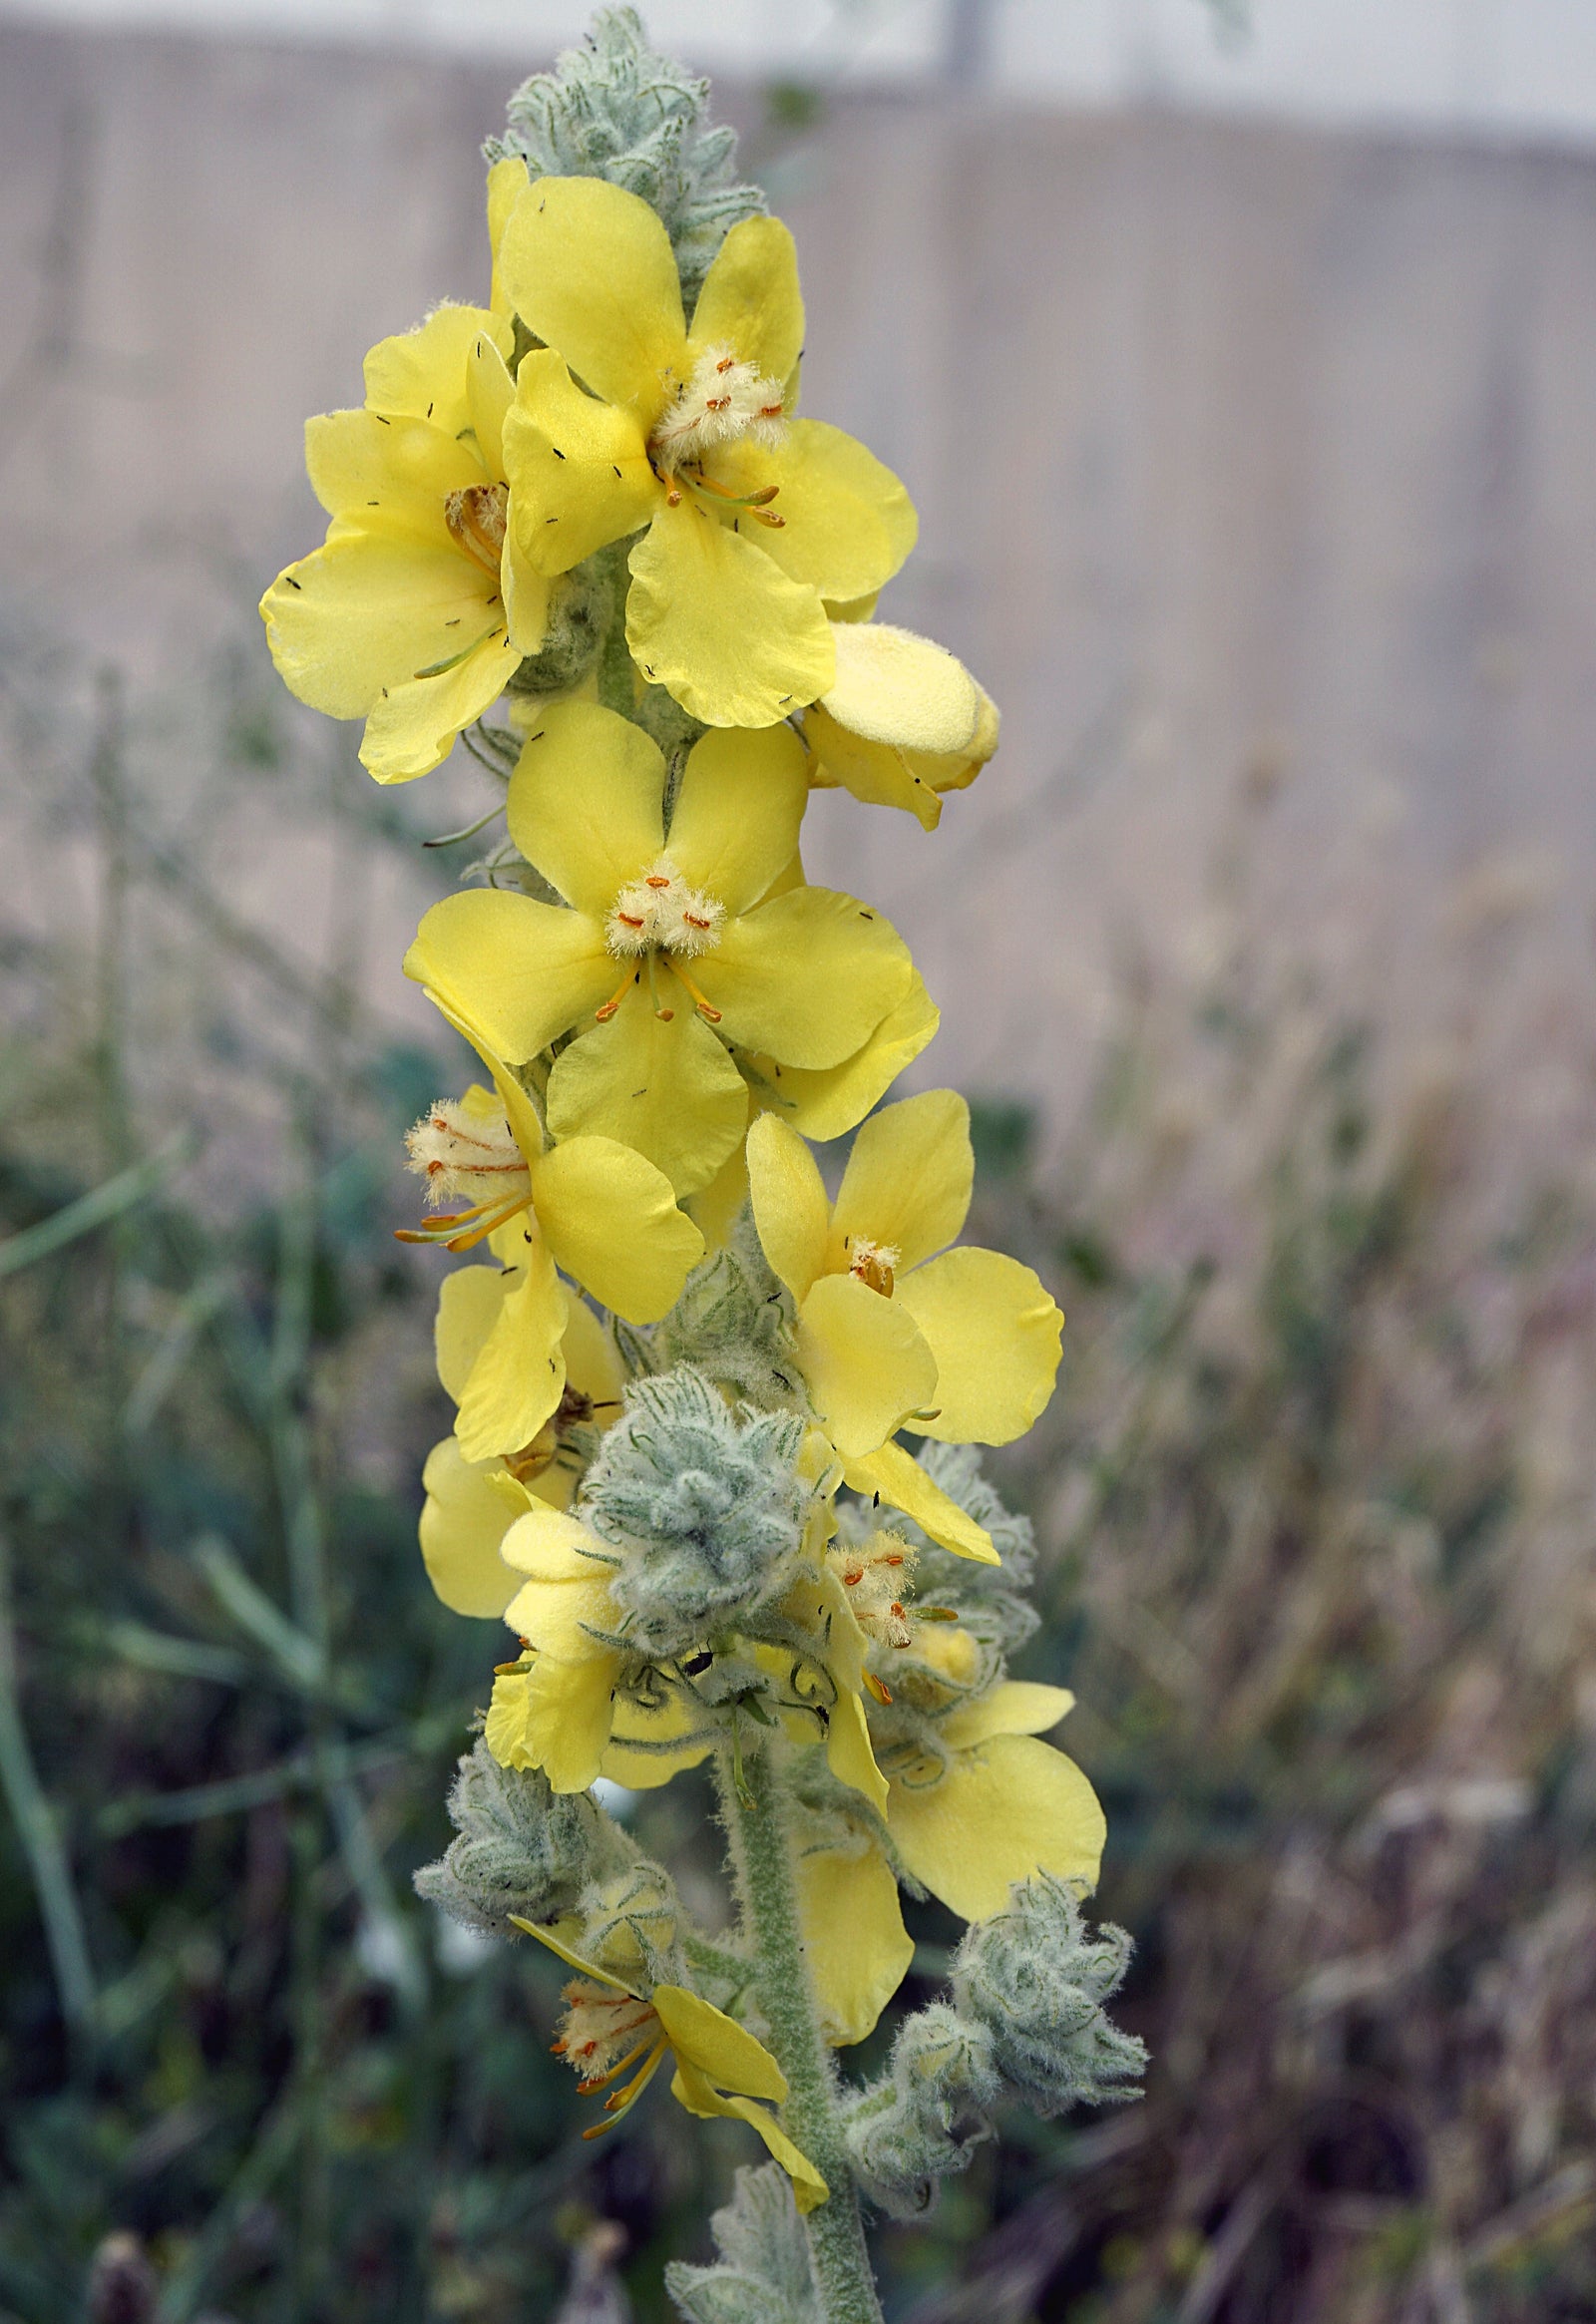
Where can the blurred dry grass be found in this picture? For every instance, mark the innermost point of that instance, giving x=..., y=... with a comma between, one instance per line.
x=1315, y=1506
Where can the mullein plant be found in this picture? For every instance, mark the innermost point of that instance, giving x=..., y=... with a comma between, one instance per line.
x=586, y=529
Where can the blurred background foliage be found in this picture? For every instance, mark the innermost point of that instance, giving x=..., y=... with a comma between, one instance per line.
x=1314, y=1504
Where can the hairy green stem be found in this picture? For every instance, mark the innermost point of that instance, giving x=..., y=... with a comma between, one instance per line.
x=754, y=1809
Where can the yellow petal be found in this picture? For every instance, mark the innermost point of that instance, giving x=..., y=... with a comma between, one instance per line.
x=412, y=728
x=463, y=1521
x=736, y=826
x=372, y=610
x=389, y=474
x=695, y=584
x=468, y=1305
x=848, y=1752
x=854, y=1942
x=904, y=721
x=590, y=270
x=863, y=1362
x=577, y=469
x=750, y=301
x=554, y=1717
x=489, y=392
x=646, y=1746
x=556, y=1940
x=584, y=803
x=517, y=1378
x=806, y=977
x=592, y=1367
x=1009, y=1808
x=691, y=2089
x=791, y=1212
x=725, y=2053
x=507, y=182
x=717, y=1208
x=516, y=972
x=552, y=1548
x=611, y=1220
x=667, y=1089
x=895, y=1477
x=994, y=1332
x=828, y=1102
x=527, y=596
x=1014, y=1707
x=907, y=1180
x=849, y=523
x=423, y=374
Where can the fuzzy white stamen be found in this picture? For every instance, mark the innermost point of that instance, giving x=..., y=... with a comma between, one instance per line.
x=462, y=1149
x=722, y=402
x=659, y=912
x=875, y=1264
x=874, y=1574
x=600, y=2027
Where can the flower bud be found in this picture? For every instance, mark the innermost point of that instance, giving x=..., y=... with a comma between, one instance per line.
x=1037, y=1980
x=520, y=1847
x=705, y=1510
x=927, y=2113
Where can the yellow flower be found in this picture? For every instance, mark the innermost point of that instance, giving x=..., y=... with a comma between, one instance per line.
x=418, y=608
x=854, y=1942
x=1003, y=1805
x=901, y=722
x=556, y=1712
x=588, y=1204
x=678, y=950
x=965, y=1345
x=471, y=1504
x=719, y=2067
x=754, y=518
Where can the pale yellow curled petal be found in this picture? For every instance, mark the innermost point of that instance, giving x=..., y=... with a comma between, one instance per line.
x=863, y=1362
x=904, y=721
x=697, y=584
x=692, y=2090
x=1013, y=1707
x=489, y=392
x=517, y=1380
x=734, y=831
x=649, y=1746
x=996, y=1333
x=584, y=802
x=554, y=1717
x=507, y=182
x=412, y=728
x=527, y=596
x=422, y=374
x=557, y=1939
x=665, y=1088
x=848, y=1752
x=389, y=474
x=550, y=1546
x=1009, y=1808
x=590, y=270
x=895, y=1477
x=518, y=971
x=791, y=1212
x=806, y=977
x=854, y=1942
x=909, y=1179
x=726, y=2053
x=750, y=303
x=463, y=1520
x=577, y=469
x=849, y=523
x=468, y=1305
x=372, y=610
x=611, y=1220
x=826, y=1103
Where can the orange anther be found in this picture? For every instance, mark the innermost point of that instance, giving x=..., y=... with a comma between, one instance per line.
x=656, y=880
x=725, y=363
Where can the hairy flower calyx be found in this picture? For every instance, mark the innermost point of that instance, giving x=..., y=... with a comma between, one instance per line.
x=478, y=517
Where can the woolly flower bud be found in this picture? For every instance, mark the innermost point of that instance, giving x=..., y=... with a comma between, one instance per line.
x=520, y=1847
x=922, y=2120
x=631, y=1924
x=1037, y=1980
x=705, y=1510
